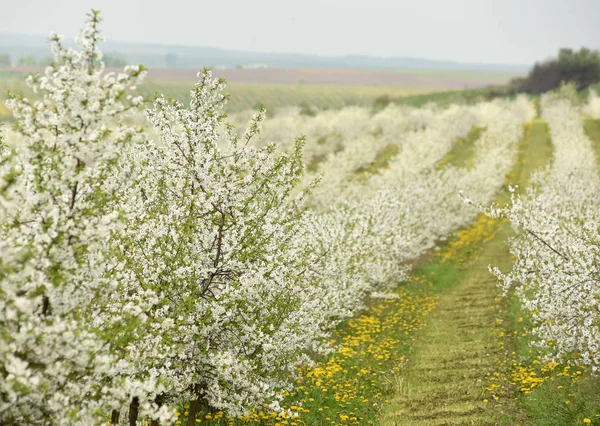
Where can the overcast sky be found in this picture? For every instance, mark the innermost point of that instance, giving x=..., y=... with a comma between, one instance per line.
x=485, y=31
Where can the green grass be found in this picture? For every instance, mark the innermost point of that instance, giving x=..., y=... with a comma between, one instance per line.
x=467, y=96
x=462, y=153
x=445, y=378
x=592, y=130
x=536, y=153
x=499, y=77
x=381, y=161
x=11, y=75
x=562, y=400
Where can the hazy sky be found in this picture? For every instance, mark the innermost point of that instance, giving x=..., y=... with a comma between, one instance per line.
x=489, y=31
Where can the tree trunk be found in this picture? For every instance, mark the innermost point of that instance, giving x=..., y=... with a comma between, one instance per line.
x=133, y=411
x=159, y=401
x=114, y=417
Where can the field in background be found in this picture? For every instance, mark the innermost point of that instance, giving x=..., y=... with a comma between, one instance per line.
x=274, y=96
x=313, y=93
x=313, y=88
x=439, y=79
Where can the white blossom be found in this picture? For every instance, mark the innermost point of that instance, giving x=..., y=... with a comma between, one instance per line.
x=556, y=273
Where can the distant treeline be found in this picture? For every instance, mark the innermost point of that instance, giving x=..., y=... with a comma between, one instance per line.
x=581, y=68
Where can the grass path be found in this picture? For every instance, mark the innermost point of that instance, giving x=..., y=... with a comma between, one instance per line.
x=445, y=380
x=453, y=357
x=592, y=130
x=462, y=153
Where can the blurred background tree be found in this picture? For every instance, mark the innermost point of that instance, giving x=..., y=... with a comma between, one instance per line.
x=581, y=68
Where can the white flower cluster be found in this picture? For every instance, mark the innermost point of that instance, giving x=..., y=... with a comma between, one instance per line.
x=422, y=139
x=214, y=246
x=57, y=212
x=367, y=229
x=592, y=107
x=556, y=272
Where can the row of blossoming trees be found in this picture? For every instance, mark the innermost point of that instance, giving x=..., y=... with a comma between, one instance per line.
x=556, y=273
x=203, y=266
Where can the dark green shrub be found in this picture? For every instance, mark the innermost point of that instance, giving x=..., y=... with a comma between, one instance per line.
x=581, y=68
